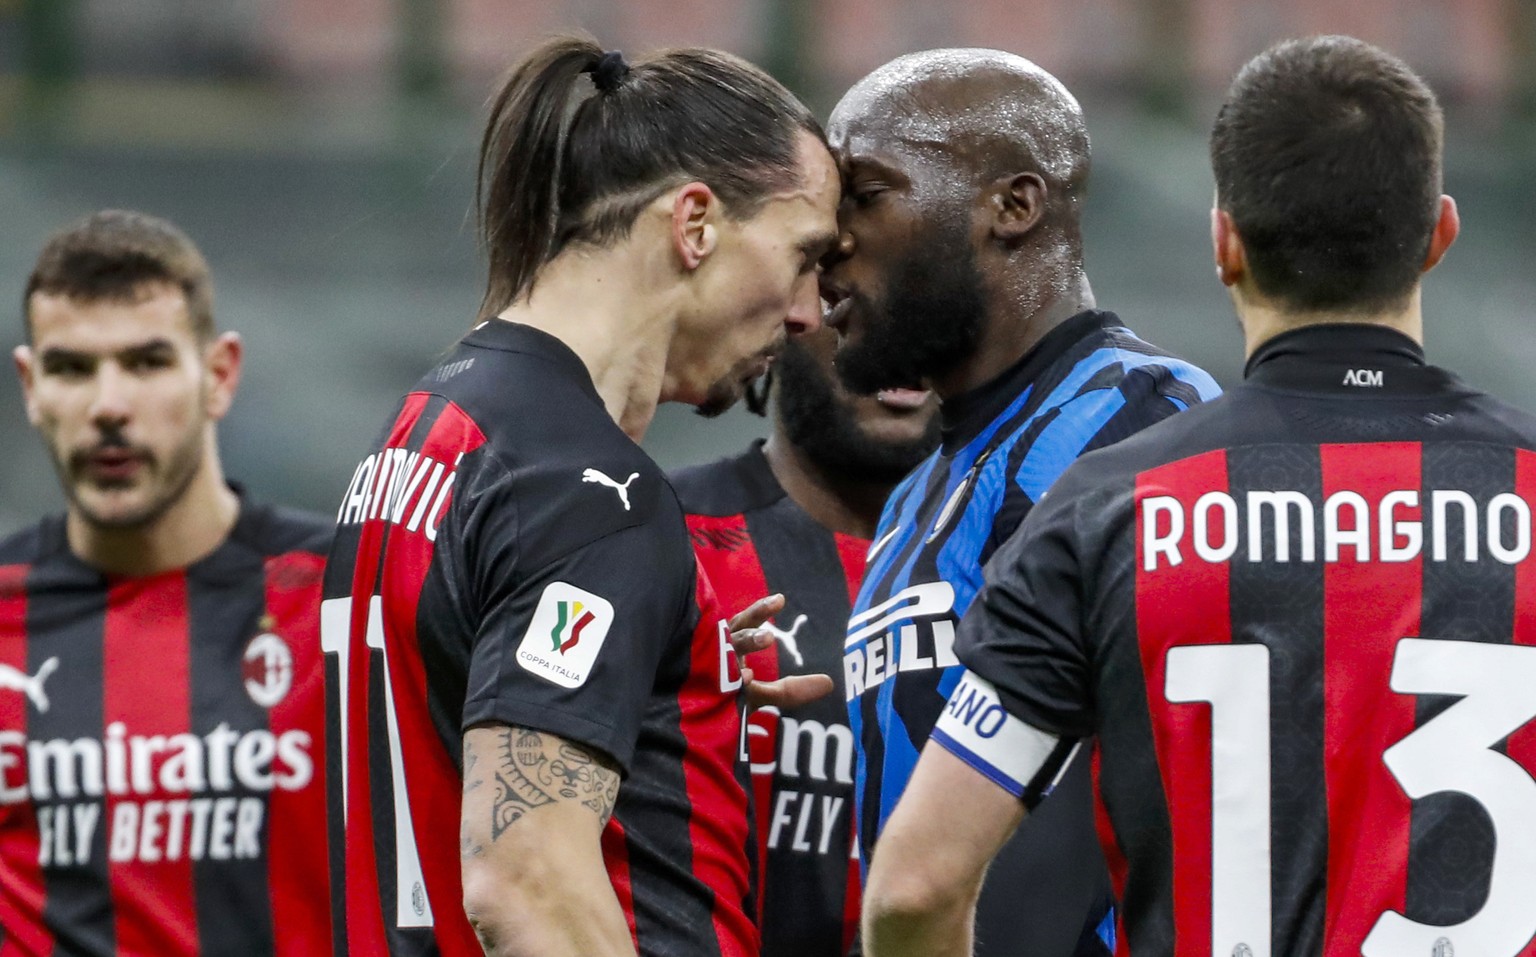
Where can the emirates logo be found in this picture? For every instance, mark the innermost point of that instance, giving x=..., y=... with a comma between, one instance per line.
x=267, y=666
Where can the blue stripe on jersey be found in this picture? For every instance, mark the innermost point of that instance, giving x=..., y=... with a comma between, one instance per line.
x=954, y=553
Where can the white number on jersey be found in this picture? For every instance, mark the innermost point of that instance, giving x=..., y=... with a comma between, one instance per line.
x=1451, y=752
x=412, y=908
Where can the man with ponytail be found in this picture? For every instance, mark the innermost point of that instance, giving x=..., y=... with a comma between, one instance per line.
x=519, y=642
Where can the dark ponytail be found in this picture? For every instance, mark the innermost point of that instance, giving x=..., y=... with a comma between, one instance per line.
x=578, y=142
x=520, y=158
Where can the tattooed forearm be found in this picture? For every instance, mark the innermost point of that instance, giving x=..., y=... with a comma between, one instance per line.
x=529, y=769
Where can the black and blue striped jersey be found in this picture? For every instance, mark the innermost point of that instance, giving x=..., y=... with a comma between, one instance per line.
x=1089, y=383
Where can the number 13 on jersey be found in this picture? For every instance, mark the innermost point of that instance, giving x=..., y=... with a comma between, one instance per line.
x=1451, y=752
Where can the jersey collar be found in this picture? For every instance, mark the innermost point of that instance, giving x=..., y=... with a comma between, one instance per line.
x=963, y=417
x=1359, y=360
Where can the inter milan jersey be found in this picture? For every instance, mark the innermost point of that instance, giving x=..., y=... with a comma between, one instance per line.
x=1089, y=383
x=753, y=540
x=160, y=747
x=1300, y=622
x=509, y=556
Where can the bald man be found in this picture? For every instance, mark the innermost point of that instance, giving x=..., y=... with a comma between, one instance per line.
x=960, y=268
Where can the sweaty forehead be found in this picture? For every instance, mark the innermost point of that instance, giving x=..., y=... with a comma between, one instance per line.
x=978, y=106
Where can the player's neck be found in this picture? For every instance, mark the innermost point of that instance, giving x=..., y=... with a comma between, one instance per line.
x=835, y=502
x=601, y=305
x=1012, y=329
x=193, y=526
x=1262, y=319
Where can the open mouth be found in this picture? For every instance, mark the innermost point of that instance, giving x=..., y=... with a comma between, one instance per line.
x=835, y=304
x=903, y=400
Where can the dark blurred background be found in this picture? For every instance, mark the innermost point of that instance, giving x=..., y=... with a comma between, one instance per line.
x=321, y=152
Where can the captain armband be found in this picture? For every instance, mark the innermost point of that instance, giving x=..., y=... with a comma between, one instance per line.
x=1021, y=759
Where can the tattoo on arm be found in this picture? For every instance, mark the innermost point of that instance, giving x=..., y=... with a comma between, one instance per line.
x=532, y=769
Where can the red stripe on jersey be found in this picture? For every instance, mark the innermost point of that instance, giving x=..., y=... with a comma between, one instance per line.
x=1183, y=604
x=1522, y=743
x=22, y=892
x=616, y=860
x=296, y=818
x=433, y=783
x=854, y=553
x=146, y=646
x=711, y=723
x=1368, y=607
x=736, y=575
x=1113, y=856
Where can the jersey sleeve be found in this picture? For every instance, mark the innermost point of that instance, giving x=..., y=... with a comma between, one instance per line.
x=1023, y=634
x=576, y=609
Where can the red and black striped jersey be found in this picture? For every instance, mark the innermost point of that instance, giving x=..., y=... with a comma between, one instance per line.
x=160, y=747
x=508, y=555
x=753, y=540
x=1301, y=622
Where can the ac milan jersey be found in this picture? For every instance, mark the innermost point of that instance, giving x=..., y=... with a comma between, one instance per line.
x=753, y=540
x=1299, y=621
x=1090, y=382
x=160, y=742
x=509, y=556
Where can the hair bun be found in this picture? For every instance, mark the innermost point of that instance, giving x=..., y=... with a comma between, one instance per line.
x=609, y=71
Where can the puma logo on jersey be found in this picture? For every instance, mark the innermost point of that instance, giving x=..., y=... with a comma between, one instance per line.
x=1363, y=377
x=14, y=679
x=787, y=638
x=593, y=475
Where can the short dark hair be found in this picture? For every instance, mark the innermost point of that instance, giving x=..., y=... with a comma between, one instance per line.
x=571, y=158
x=112, y=255
x=1327, y=157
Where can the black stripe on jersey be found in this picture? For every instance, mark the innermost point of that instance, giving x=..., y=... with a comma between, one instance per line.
x=68, y=619
x=1468, y=601
x=1148, y=392
x=1283, y=601
x=799, y=559
x=666, y=921
x=1127, y=752
x=239, y=918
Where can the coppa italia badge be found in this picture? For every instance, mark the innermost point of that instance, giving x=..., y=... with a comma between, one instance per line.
x=573, y=619
x=565, y=635
x=267, y=666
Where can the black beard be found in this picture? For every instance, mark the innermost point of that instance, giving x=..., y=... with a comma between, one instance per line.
x=821, y=423
x=931, y=320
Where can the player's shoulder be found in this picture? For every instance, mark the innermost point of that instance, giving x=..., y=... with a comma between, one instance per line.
x=727, y=486
x=34, y=543
x=1502, y=421
x=271, y=529
x=1204, y=428
x=1114, y=353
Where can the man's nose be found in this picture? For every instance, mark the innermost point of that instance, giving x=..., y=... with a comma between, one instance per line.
x=111, y=402
x=804, y=315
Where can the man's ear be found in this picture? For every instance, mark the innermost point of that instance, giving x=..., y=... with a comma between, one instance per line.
x=1017, y=203
x=1227, y=245
x=221, y=368
x=695, y=210
x=25, y=370
x=1447, y=228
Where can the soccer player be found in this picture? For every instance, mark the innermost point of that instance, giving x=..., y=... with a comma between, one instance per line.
x=960, y=265
x=1298, y=620
x=513, y=610
x=795, y=516
x=161, y=698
